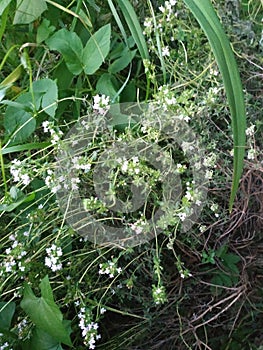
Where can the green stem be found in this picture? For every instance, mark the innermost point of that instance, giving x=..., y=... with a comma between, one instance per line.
x=74, y=22
x=3, y=170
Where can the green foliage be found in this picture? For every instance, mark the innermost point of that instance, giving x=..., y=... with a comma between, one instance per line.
x=228, y=276
x=96, y=49
x=29, y=10
x=77, y=58
x=15, y=199
x=44, y=312
x=74, y=63
x=3, y=5
x=206, y=16
x=7, y=311
x=20, y=117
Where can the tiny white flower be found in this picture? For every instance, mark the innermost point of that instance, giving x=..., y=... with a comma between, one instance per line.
x=165, y=51
x=102, y=310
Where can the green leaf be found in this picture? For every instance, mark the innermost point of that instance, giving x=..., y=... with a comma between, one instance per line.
x=3, y=5
x=44, y=30
x=44, y=313
x=123, y=61
x=119, y=120
x=25, y=147
x=129, y=92
x=7, y=311
x=18, y=123
x=230, y=260
x=208, y=20
x=107, y=85
x=70, y=46
x=96, y=49
x=12, y=77
x=41, y=340
x=134, y=27
x=28, y=11
x=22, y=199
x=46, y=95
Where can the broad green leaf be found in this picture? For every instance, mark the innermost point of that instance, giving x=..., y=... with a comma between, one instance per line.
x=7, y=311
x=19, y=124
x=28, y=11
x=107, y=85
x=46, y=290
x=41, y=340
x=208, y=20
x=122, y=62
x=96, y=49
x=71, y=48
x=46, y=94
x=3, y=5
x=19, y=114
x=129, y=92
x=44, y=313
x=119, y=120
x=44, y=30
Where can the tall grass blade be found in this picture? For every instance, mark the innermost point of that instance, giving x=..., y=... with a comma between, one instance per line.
x=208, y=20
x=134, y=27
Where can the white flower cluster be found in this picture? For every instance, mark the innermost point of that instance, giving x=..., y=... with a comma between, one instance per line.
x=80, y=163
x=55, y=134
x=14, y=257
x=140, y=226
x=110, y=268
x=192, y=194
x=252, y=152
x=21, y=327
x=148, y=26
x=20, y=172
x=167, y=9
x=53, y=259
x=159, y=294
x=55, y=183
x=129, y=167
x=250, y=131
x=4, y=346
x=165, y=97
x=89, y=328
x=101, y=103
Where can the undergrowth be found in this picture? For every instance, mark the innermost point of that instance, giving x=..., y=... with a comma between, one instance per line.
x=187, y=274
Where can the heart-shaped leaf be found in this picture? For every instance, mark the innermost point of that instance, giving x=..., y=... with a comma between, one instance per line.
x=44, y=313
x=70, y=46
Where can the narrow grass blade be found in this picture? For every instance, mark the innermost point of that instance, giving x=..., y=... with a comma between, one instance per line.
x=208, y=20
x=158, y=42
x=85, y=21
x=24, y=147
x=12, y=77
x=134, y=27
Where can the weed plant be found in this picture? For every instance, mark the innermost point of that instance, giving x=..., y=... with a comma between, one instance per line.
x=63, y=67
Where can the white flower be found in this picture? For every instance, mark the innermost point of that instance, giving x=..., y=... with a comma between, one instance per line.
x=102, y=310
x=165, y=51
x=124, y=166
x=45, y=126
x=251, y=154
x=101, y=103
